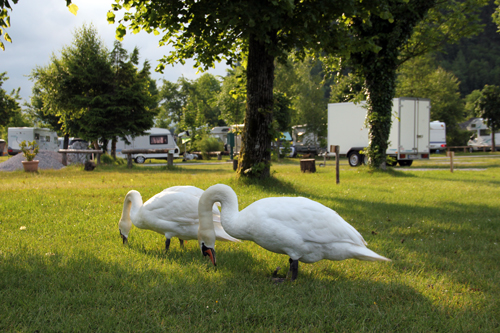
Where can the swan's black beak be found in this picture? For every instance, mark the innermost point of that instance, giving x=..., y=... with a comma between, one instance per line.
x=125, y=239
x=208, y=252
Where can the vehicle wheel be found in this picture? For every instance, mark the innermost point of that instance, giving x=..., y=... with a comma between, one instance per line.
x=405, y=163
x=354, y=159
x=140, y=159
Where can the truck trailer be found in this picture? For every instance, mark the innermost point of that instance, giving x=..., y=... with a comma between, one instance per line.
x=408, y=139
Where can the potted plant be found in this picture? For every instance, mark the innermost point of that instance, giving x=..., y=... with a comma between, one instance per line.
x=29, y=149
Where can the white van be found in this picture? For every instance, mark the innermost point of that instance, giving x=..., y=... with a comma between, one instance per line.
x=437, y=135
x=45, y=138
x=155, y=138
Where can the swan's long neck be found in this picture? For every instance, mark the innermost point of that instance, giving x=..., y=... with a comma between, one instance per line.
x=229, y=212
x=131, y=205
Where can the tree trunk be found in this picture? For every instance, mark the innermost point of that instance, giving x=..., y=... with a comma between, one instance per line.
x=113, y=148
x=380, y=84
x=255, y=156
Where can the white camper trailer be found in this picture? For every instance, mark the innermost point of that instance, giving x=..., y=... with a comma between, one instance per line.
x=45, y=138
x=437, y=139
x=481, y=139
x=408, y=139
x=155, y=138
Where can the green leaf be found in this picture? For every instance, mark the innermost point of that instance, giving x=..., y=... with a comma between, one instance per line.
x=120, y=32
x=73, y=8
x=2, y=46
x=111, y=17
x=7, y=37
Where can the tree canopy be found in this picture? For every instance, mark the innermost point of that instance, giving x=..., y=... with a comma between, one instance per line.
x=489, y=108
x=213, y=31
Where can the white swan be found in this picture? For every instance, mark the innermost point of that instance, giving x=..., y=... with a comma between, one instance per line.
x=172, y=213
x=303, y=229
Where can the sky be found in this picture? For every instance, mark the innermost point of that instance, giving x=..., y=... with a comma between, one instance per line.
x=42, y=28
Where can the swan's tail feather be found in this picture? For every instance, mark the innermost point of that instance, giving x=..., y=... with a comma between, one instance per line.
x=363, y=253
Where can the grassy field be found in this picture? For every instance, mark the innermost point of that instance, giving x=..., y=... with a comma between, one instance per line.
x=64, y=268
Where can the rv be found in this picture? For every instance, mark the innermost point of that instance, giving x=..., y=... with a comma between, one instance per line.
x=155, y=138
x=408, y=139
x=437, y=136
x=45, y=138
x=481, y=137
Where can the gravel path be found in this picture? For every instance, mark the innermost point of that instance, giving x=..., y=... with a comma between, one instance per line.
x=48, y=160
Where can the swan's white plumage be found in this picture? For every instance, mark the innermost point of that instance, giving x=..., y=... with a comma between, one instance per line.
x=172, y=213
x=302, y=228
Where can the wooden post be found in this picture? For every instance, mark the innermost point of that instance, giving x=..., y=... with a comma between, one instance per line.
x=451, y=154
x=336, y=150
x=129, y=161
x=64, y=159
x=170, y=158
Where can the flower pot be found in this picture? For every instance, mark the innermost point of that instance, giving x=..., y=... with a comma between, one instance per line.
x=30, y=166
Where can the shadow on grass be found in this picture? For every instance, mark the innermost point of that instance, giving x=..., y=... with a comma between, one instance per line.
x=85, y=293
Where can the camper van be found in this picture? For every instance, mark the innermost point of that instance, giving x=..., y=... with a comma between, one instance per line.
x=481, y=138
x=437, y=136
x=45, y=138
x=155, y=138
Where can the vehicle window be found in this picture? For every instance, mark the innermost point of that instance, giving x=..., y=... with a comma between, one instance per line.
x=158, y=139
x=37, y=136
x=47, y=138
x=484, y=132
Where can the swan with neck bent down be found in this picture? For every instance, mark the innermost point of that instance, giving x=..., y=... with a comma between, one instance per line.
x=172, y=213
x=301, y=228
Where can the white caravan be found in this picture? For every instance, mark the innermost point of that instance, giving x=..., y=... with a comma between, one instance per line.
x=155, y=138
x=481, y=139
x=437, y=135
x=45, y=138
x=408, y=139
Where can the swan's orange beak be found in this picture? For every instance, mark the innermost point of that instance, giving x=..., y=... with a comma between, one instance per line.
x=207, y=251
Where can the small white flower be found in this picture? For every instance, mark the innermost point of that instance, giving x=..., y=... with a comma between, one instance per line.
x=22, y=228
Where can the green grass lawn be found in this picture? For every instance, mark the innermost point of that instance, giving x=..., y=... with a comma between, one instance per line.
x=63, y=266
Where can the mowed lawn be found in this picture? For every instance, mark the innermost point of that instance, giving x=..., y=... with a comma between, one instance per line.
x=63, y=267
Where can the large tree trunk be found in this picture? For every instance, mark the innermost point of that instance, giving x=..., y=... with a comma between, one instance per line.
x=255, y=155
x=380, y=85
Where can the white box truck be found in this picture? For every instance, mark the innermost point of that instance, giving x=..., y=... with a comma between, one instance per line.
x=408, y=139
x=155, y=138
x=45, y=138
x=437, y=139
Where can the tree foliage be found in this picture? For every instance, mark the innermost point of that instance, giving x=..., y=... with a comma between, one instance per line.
x=489, y=109
x=8, y=103
x=95, y=94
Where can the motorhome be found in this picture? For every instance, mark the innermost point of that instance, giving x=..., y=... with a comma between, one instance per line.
x=155, y=138
x=481, y=137
x=437, y=139
x=45, y=138
x=409, y=135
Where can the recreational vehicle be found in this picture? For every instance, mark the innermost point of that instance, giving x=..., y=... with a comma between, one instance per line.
x=437, y=136
x=45, y=138
x=155, y=138
x=481, y=137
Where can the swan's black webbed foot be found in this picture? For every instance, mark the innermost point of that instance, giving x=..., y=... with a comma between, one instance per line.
x=294, y=268
x=181, y=242
x=167, y=244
